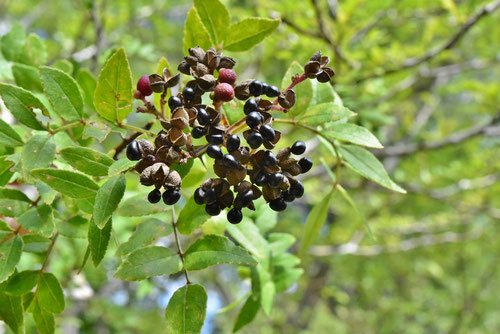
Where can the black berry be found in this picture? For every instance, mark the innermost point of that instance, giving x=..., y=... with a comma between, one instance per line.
x=298, y=148
x=230, y=161
x=210, y=196
x=267, y=132
x=297, y=189
x=174, y=102
x=215, y=139
x=255, y=140
x=272, y=91
x=232, y=143
x=250, y=105
x=203, y=116
x=246, y=198
x=154, y=196
x=214, y=152
x=212, y=209
x=269, y=158
x=253, y=119
x=305, y=164
x=260, y=178
x=234, y=216
x=171, y=196
x=134, y=151
x=277, y=204
x=288, y=196
x=188, y=93
x=199, y=196
x=265, y=86
x=274, y=180
x=198, y=132
x=255, y=88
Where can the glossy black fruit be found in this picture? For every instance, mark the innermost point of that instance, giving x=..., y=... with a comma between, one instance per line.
x=253, y=119
x=210, y=196
x=203, y=116
x=260, y=178
x=246, y=198
x=277, y=204
x=297, y=189
x=215, y=139
x=232, y=143
x=305, y=164
x=134, y=151
x=199, y=196
x=298, y=148
x=272, y=91
x=188, y=93
x=255, y=88
x=171, y=196
x=174, y=102
x=288, y=196
x=269, y=158
x=154, y=196
x=214, y=152
x=255, y=140
x=250, y=105
x=198, y=132
x=212, y=209
x=274, y=180
x=230, y=161
x=234, y=216
x=267, y=132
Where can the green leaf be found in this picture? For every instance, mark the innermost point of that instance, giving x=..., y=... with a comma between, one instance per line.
x=148, y=262
x=247, y=313
x=107, y=199
x=13, y=45
x=215, y=18
x=10, y=254
x=304, y=91
x=138, y=206
x=87, y=83
x=266, y=287
x=12, y=312
x=315, y=221
x=186, y=310
x=36, y=49
x=113, y=93
x=68, y=183
x=22, y=282
x=8, y=136
x=44, y=320
x=98, y=241
x=366, y=164
x=195, y=33
x=38, y=220
x=249, y=236
x=13, y=202
x=213, y=250
x=35, y=243
x=63, y=93
x=21, y=103
x=280, y=242
x=191, y=216
x=120, y=166
x=248, y=33
x=351, y=202
x=145, y=234
x=351, y=133
x=323, y=113
x=39, y=152
x=87, y=160
x=27, y=77
x=50, y=294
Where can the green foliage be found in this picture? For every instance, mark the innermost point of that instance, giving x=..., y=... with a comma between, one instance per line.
x=66, y=182
x=107, y=199
x=186, y=310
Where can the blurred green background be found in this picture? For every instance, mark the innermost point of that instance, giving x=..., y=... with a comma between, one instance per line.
x=423, y=75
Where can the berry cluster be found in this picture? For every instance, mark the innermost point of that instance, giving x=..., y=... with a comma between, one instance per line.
x=245, y=170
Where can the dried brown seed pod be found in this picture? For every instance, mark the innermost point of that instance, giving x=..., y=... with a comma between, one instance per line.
x=286, y=99
x=172, y=180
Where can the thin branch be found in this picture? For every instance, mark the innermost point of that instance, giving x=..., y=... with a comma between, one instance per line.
x=49, y=251
x=403, y=149
x=299, y=29
x=98, y=34
x=179, y=247
x=449, y=44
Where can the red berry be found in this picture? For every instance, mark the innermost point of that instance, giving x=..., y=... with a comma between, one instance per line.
x=224, y=92
x=227, y=75
x=143, y=86
x=138, y=95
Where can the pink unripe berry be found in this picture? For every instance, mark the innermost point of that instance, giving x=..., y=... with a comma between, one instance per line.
x=138, y=95
x=143, y=86
x=224, y=92
x=227, y=75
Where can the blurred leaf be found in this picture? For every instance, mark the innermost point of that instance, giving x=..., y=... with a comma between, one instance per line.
x=280, y=242
x=215, y=18
x=9, y=136
x=27, y=77
x=13, y=45
x=248, y=33
x=304, y=91
x=248, y=235
x=186, y=310
x=36, y=50
x=68, y=183
x=113, y=93
x=195, y=33
x=191, y=216
x=322, y=113
x=146, y=233
x=49, y=293
x=12, y=312
x=147, y=262
x=351, y=133
x=21, y=103
x=267, y=289
x=87, y=160
x=22, y=282
x=38, y=220
x=213, y=250
x=247, y=313
x=10, y=254
x=107, y=199
x=87, y=83
x=364, y=162
x=315, y=221
x=63, y=93
x=38, y=152
x=44, y=320
x=99, y=240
